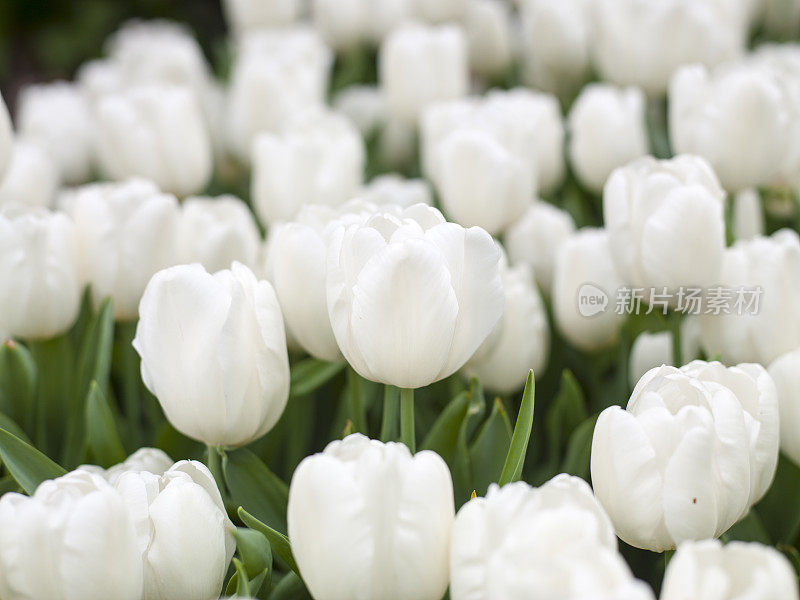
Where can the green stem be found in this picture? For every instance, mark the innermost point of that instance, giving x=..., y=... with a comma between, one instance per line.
x=129, y=379
x=677, y=352
x=390, y=407
x=357, y=413
x=213, y=460
x=407, y=435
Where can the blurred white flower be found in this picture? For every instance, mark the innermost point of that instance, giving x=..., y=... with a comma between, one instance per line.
x=694, y=450
x=248, y=15
x=364, y=105
x=347, y=24
x=391, y=188
x=748, y=215
x=488, y=26
x=378, y=514
x=440, y=11
x=31, y=178
x=650, y=350
x=785, y=371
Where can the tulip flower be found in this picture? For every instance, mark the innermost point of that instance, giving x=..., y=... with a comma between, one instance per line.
x=376, y=513
x=214, y=353
x=364, y=105
x=394, y=189
x=694, y=450
x=41, y=290
x=247, y=15
x=74, y=539
x=346, y=24
x=748, y=215
x=488, y=25
x=126, y=233
x=735, y=571
x=31, y=178
x=785, y=371
x=149, y=460
x=554, y=542
x=651, y=350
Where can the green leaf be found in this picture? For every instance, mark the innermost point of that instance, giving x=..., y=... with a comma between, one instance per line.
x=55, y=407
x=512, y=469
x=490, y=447
x=102, y=438
x=461, y=466
x=26, y=464
x=252, y=485
x=781, y=517
x=242, y=583
x=577, y=459
x=17, y=384
x=291, y=587
x=11, y=427
x=443, y=435
x=94, y=359
x=255, y=551
x=566, y=413
x=749, y=529
x=279, y=542
x=310, y=374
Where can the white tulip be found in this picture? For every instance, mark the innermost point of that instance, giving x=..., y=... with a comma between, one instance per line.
x=126, y=232
x=216, y=232
x=735, y=571
x=607, y=130
x=785, y=371
x=638, y=42
x=275, y=74
x=419, y=65
x=31, y=178
x=488, y=26
x=376, y=513
x=157, y=132
x=555, y=44
x=768, y=324
x=346, y=24
x=364, y=105
x=536, y=237
x=650, y=350
x=410, y=296
x=214, y=353
x=41, y=290
x=57, y=117
x=585, y=284
x=248, y=15
x=521, y=339
x=394, y=189
x=183, y=532
x=694, y=450
x=318, y=158
x=144, y=460
x=74, y=539
x=748, y=215
x=438, y=12
x=665, y=222
x=6, y=138
x=554, y=542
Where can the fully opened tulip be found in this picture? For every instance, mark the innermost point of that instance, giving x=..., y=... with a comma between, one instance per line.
x=214, y=353
x=376, y=513
x=74, y=539
x=694, y=450
x=548, y=543
x=410, y=296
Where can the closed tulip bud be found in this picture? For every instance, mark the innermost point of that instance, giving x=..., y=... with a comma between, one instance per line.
x=275, y=74
x=31, y=178
x=157, y=132
x=488, y=26
x=247, y=15
x=216, y=232
x=144, y=460
x=735, y=571
x=343, y=24
x=521, y=339
x=214, y=353
x=585, y=282
x=694, y=450
x=650, y=350
x=748, y=215
x=665, y=222
x=74, y=539
x=57, y=117
x=378, y=514
x=126, y=232
x=41, y=290
x=555, y=44
x=318, y=158
x=394, y=189
x=364, y=105
x=553, y=542
x=642, y=43
x=607, y=130
x=408, y=88
x=536, y=237
x=6, y=138
x=785, y=371
x=738, y=117
x=410, y=296
x=183, y=532
x=768, y=322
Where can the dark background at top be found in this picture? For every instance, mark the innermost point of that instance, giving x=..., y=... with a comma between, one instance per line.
x=41, y=40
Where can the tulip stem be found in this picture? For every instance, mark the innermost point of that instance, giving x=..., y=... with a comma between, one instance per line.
x=390, y=407
x=407, y=435
x=677, y=358
x=215, y=466
x=357, y=414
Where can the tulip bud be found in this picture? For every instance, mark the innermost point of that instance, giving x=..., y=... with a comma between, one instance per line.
x=694, y=450
x=408, y=88
x=607, y=130
x=216, y=232
x=343, y=24
x=378, y=514
x=650, y=350
x=73, y=539
x=734, y=571
x=441, y=11
x=748, y=215
x=520, y=340
x=317, y=159
x=364, y=105
x=213, y=352
x=41, y=290
x=56, y=116
x=411, y=297
x=247, y=15
x=6, y=138
x=275, y=74
x=769, y=323
x=488, y=25
x=126, y=232
x=665, y=223
x=536, y=238
x=394, y=189
x=585, y=282
x=785, y=371
x=552, y=542
x=31, y=177
x=144, y=460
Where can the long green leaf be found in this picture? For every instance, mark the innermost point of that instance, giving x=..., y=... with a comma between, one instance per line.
x=17, y=384
x=101, y=431
x=512, y=469
x=278, y=542
x=55, y=412
x=311, y=374
x=577, y=459
x=490, y=447
x=443, y=435
x=251, y=484
x=26, y=464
